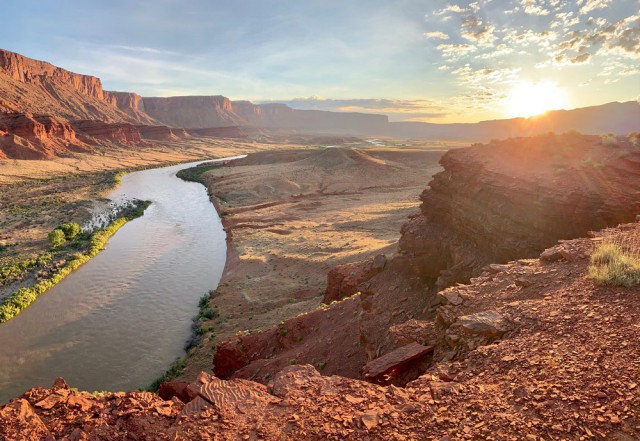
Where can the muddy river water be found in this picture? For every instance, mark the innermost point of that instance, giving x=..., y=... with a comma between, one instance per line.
x=120, y=320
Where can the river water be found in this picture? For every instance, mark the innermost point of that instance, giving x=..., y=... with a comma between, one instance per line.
x=120, y=320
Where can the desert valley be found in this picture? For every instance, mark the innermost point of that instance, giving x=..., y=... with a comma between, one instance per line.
x=189, y=266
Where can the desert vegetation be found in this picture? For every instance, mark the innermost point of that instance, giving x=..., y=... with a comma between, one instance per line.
x=616, y=260
x=23, y=297
x=194, y=174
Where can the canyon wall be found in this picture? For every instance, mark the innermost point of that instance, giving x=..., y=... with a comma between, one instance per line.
x=192, y=112
x=491, y=204
x=35, y=87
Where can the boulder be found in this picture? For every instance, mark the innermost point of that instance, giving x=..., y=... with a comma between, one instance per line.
x=394, y=367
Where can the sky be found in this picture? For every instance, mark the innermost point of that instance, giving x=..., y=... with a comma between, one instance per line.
x=427, y=60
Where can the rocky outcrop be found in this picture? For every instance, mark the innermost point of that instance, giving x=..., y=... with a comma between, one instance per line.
x=26, y=70
x=512, y=199
x=126, y=134
x=326, y=338
x=37, y=137
x=131, y=104
x=343, y=280
x=35, y=87
x=162, y=133
x=218, y=132
x=191, y=112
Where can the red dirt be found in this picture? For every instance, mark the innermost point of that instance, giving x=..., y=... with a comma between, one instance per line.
x=567, y=368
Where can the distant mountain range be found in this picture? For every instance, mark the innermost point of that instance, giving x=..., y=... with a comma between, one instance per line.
x=44, y=111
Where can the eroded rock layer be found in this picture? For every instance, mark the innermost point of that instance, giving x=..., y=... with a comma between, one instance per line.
x=492, y=204
x=513, y=198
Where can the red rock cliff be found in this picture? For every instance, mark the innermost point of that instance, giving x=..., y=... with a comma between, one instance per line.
x=36, y=87
x=36, y=137
x=192, y=112
x=131, y=104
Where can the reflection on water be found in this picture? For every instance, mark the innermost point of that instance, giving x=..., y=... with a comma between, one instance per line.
x=121, y=319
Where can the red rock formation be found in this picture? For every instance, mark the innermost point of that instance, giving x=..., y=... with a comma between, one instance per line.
x=35, y=87
x=37, y=137
x=511, y=199
x=126, y=134
x=218, y=132
x=192, y=111
x=131, y=104
x=26, y=70
x=326, y=338
x=343, y=280
x=162, y=133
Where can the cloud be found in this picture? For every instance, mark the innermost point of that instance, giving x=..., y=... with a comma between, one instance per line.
x=627, y=41
x=451, y=8
x=476, y=31
x=456, y=51
x=469, y=75
x=436, y=35
x=535, y=7
x=592, y=5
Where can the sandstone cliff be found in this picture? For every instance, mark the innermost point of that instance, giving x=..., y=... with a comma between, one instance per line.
x=492, y=204
x=37, y=137
x=192, y=112
x=130, y=103
x=36, y=87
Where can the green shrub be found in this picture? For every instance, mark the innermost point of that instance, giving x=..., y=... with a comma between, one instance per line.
x=616, y=261
x=23, y=297
x=70, y=230
x=15, y=271
x=56, y=238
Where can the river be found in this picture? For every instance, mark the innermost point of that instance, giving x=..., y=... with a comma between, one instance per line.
x=119, y=321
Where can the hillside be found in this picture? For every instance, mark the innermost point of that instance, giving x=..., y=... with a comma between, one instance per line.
x=617, y=118
x=491, y=204
x=558, y=360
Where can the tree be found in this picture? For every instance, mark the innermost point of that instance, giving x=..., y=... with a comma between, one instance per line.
x=56, y=238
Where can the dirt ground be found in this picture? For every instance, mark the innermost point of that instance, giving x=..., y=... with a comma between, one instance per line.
x=292, y=215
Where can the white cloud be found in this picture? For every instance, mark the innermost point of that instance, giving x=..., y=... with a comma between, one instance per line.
x=436, y=35
x=535, y=7
x=592, y=5
x=456, y=51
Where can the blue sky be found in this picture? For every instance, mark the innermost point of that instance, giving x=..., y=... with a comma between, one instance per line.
x=431, y=60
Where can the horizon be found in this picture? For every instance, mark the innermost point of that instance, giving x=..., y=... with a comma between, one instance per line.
x=487, y=61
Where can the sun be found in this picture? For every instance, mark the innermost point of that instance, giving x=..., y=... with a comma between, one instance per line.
x=528, y=99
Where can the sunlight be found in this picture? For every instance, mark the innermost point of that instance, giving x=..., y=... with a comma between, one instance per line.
x=528, y=99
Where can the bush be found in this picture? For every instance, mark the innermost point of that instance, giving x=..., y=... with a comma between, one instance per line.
x=57, y=238
x=70, y=230
x=616, y=261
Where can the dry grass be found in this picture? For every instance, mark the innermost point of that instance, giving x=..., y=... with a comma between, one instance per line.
x=616, y=260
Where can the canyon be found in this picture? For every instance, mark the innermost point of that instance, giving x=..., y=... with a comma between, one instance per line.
x=529, y=348
x=31, y=89
x=374, y=289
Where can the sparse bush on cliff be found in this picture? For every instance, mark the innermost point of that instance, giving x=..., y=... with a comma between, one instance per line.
x=616, y=261
x=608, y=139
